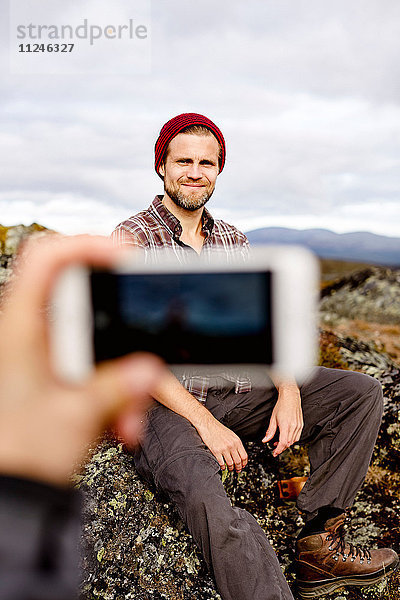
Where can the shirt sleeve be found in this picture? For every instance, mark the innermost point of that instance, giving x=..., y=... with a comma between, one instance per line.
x=243, y=244
x=122, y=237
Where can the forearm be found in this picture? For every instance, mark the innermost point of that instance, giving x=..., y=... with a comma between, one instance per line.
x=284, y=383
x=173, y=395
x=224, y=444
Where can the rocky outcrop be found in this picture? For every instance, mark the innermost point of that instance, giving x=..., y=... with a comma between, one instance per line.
x=371, y=294
x=11, y=237
x=136, y=546
x=134, y=542
x=5, y=267
x=10, y=240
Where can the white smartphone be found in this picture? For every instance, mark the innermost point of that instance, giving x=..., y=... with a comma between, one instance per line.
x=256, y=316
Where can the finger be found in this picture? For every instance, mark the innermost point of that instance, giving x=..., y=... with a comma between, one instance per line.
x=296, y=435
x=295, y=438
x=286, y=432
x=220, y=460
x=130, y=427
x=229, y=461
x=281, y=447
x=42, y=260
x=270, y=431
x=123, y=384
x=291, y=437
x=237, y=459
x=242, y=454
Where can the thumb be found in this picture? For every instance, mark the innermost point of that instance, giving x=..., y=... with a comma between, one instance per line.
x=124, y=384
x=270, y=431
x=129, y=427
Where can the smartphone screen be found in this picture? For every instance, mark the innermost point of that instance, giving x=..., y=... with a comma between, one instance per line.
x=186, y=318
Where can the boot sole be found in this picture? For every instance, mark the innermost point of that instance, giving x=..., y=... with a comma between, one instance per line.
x=313, y=589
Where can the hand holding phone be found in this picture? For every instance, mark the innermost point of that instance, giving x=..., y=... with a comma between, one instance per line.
x=47, y=425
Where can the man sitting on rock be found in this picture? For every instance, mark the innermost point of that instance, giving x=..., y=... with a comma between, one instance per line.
x=198, y=425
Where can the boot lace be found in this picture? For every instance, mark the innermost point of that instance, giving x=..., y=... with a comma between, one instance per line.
x=340, y=547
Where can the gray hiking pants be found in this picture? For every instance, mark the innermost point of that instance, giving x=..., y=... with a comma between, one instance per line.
x=342, y=412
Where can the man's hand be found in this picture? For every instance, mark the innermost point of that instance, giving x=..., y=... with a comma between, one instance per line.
x=225, y=445
x=45, y=424
x=287, y=416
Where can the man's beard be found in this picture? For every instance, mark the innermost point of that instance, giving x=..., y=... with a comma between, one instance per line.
x=190, y=201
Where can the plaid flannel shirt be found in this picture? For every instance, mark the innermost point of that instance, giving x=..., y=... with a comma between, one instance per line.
x=157, y=228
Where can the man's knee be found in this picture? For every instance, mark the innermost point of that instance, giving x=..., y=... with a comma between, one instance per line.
x=368, y=391
x=188, y=477
x=365, y=384
x=205, y=507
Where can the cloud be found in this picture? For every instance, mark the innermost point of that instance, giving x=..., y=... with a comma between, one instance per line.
x=307, y=95
x=65, y=213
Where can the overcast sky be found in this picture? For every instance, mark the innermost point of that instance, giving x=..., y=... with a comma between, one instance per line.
x=306, y=92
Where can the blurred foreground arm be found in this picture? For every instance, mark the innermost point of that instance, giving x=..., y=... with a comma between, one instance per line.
x=46, y=426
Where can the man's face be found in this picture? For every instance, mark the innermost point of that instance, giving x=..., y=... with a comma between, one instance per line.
x=190, y=170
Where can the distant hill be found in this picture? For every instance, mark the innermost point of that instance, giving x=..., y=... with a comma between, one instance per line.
x=357, y=247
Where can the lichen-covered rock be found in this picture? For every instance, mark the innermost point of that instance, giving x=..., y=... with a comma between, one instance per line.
x=134, y=542
x=4, y=275
x=372, y=294
x=10, y=240
x=5, y=268
x=136, y=546
x=11, y=237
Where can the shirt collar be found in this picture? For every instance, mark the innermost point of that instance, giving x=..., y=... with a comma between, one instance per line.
x=173, y=224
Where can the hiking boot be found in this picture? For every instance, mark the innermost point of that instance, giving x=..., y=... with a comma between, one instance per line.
x=325, y=562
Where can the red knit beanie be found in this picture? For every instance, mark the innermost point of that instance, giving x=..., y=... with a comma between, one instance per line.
x=175, y=126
